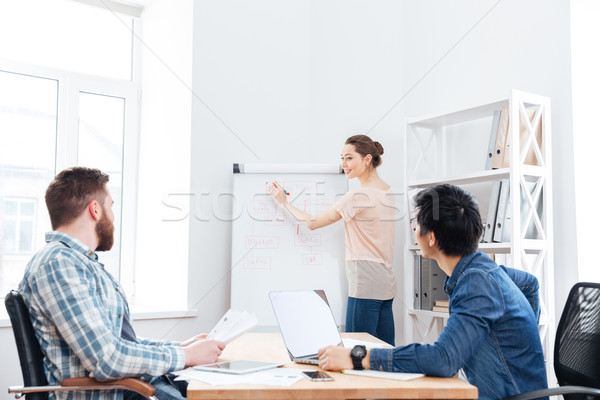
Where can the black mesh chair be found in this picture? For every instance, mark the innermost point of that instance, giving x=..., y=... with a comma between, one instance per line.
x=31, y=358
x=577, y=347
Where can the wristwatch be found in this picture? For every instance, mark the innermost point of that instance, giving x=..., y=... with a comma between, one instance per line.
x=357, y=354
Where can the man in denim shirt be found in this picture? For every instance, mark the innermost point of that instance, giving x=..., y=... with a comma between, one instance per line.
x=492, y=331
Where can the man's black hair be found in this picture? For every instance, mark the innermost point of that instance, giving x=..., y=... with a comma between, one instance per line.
x=453, y=216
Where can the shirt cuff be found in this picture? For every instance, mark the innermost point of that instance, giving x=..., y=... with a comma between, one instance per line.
x=177, y=358
x=381, y=359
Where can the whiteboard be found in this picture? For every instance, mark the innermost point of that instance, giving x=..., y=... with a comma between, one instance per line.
x=271, y=251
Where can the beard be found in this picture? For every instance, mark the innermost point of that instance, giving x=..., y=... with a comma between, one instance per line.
x=105, y=230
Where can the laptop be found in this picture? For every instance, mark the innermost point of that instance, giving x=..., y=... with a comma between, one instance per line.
x=306, y=323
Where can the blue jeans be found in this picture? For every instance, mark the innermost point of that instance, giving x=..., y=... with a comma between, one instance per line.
x=371, y=316
x=166, y=389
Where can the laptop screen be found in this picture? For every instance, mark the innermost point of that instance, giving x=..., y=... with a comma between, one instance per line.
x=305, y=320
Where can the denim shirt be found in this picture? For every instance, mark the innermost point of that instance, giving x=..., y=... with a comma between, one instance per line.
x=492, y=332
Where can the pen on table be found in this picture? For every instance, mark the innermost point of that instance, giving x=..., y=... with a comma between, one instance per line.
x=284, y=191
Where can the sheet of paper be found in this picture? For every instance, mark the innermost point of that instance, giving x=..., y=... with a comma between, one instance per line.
x=232, y=325
x=399, y=376
x=272, y=377
x=350, y=343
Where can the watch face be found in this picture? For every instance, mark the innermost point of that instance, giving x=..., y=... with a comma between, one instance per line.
x=359, y=351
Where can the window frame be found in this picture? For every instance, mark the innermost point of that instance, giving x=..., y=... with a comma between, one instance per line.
x=70, y=84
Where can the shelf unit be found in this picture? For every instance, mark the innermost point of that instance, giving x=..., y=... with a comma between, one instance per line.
x=428, y=143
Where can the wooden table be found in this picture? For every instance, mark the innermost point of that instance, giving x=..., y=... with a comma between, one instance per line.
x=270, y=347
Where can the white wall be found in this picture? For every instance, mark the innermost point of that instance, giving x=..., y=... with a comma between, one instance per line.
x=585, y=32
x=164, y=156
x=10, y=373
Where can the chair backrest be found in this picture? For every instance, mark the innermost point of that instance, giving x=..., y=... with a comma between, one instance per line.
x=577, y=346
x=28, y=347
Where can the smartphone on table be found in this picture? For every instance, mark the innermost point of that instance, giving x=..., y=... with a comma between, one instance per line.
x=317, y=375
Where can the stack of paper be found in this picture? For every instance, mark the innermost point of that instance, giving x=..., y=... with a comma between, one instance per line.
x=442, y=306
x=232, y=325
x=274, y=377
x=399, y=376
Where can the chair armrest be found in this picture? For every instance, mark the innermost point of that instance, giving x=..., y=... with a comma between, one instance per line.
x=536, y=394
x=72, y=384
x=136, y=385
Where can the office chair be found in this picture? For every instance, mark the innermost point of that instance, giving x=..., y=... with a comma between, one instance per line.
x=31, y=358
x=577, y=348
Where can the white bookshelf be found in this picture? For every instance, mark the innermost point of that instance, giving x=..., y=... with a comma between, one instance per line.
x=429, y=142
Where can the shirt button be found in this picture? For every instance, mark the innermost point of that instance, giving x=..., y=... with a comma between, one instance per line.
x=117, y=289
x=120, y=315
x=90, y=253
x=381, y=367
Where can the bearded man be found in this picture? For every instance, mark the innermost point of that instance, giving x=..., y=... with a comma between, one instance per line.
x=79, y=311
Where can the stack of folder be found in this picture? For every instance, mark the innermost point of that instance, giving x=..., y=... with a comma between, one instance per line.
x=428, y=284
x=498, y=224
x=498, y=155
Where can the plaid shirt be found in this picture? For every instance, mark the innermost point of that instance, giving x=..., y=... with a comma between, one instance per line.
x=77, y=310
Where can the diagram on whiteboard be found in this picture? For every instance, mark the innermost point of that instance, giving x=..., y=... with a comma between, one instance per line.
x=272, y=251
x=270, y=225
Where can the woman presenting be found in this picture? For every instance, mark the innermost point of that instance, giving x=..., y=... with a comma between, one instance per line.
x=369, y=215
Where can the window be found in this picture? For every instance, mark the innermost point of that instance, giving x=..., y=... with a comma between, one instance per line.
x=101, y=128
x=18, y=224
x=28, y=115
x=68, y=96
x=67, y=35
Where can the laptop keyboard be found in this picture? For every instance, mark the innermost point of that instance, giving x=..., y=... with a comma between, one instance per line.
x=308, y=360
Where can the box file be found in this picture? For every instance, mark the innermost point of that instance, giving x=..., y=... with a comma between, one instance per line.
x=502, y=207
x=417, y=282
x=490, y=221
x=492, y=143
x=432, y=283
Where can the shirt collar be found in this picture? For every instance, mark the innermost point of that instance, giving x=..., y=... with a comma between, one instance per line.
x=462, y=264
x=71, y=242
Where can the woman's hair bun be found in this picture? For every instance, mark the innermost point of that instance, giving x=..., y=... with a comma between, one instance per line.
x=364, y=146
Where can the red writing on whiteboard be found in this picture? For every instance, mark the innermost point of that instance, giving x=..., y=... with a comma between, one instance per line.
x=262, y=242
x=257, y=262
x=312, y=259
x=307, y=240
x=275, y=220
x=266, y=206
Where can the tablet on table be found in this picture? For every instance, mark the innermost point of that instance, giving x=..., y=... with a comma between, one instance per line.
x=238, y=366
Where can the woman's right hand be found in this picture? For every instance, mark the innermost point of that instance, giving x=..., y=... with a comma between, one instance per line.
x=278, y=195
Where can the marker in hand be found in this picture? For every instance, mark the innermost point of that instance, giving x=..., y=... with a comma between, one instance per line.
x=284, y=191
